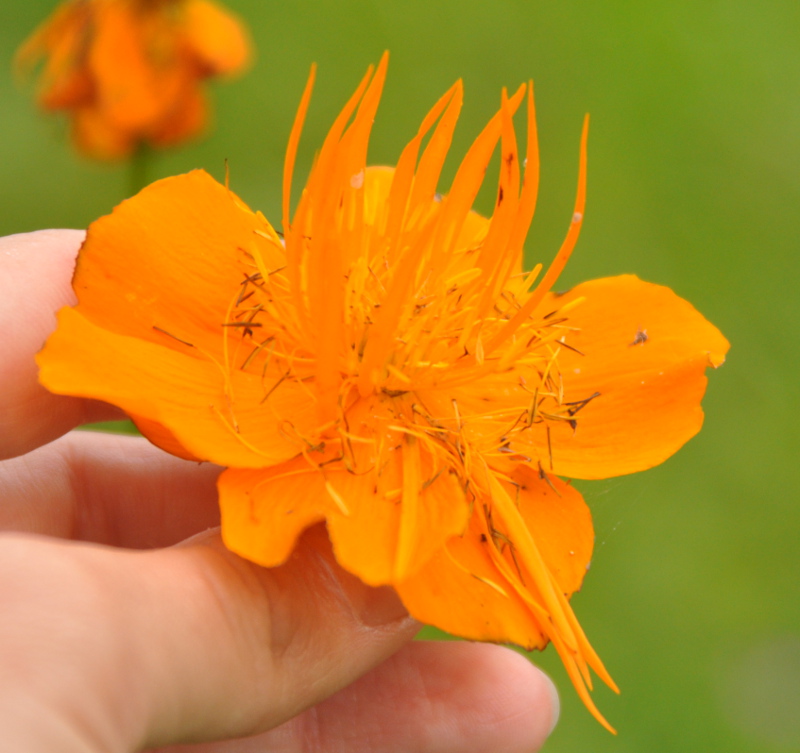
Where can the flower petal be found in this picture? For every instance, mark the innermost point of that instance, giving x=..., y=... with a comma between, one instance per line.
x=561, y=526
x=378, y=533
x=386, y=537
x=645, y=351
x=213, y=418
x=61, y=40
x=72, y=89
x=186, y=119
x=216, y=36
x=133, y=59
x=165, y=265
x=480, y=586
x=96, y=137
x=560, y=523
x=460, y=590
x=162, y=437
x=265, y=511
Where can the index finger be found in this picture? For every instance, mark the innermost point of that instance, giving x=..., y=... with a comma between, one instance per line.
x=35, y=281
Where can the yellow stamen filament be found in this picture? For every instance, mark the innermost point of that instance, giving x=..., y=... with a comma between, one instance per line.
x=337, y=498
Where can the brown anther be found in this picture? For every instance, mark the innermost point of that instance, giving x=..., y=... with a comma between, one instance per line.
x=571, y=347
x=274, y=387
x=578, y=405
x=174, y=337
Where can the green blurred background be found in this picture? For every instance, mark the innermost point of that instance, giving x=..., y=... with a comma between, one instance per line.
x=694, y=182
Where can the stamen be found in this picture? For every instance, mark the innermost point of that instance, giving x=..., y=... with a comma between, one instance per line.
x=237, y=435
x=337, y=498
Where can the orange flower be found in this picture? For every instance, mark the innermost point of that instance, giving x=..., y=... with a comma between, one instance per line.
x=130, y=71
x=387, y=367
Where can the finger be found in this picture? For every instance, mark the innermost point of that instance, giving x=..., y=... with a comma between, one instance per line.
x=122, y=650
x=108, y=489
x=434, y=698
x=35, y=281
x=426, y=698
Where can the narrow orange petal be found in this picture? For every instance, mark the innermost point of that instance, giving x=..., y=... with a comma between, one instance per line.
x=430, y=166
x=291, y=151
x=530, y=558
x=433, y=508
x=398, y=507
x=558, y=264
x=495, y=246
x=530, y=187
x=504, y=598
x=378, y=183
x=461, y=591
x=330, y=245
x=497, y=256
x=535, y=571
x=560, y=523
x=310, y=206
x=468, y=180
x=425, y=179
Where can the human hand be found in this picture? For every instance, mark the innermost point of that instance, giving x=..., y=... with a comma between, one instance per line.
x=127, y=625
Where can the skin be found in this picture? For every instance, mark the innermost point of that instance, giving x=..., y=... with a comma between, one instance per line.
x=127, y=626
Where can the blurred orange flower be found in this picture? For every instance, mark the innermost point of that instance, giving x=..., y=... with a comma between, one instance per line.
x=130, y=71
x=387, y=367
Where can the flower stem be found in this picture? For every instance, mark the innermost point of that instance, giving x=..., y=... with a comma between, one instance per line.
x=139, y=169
